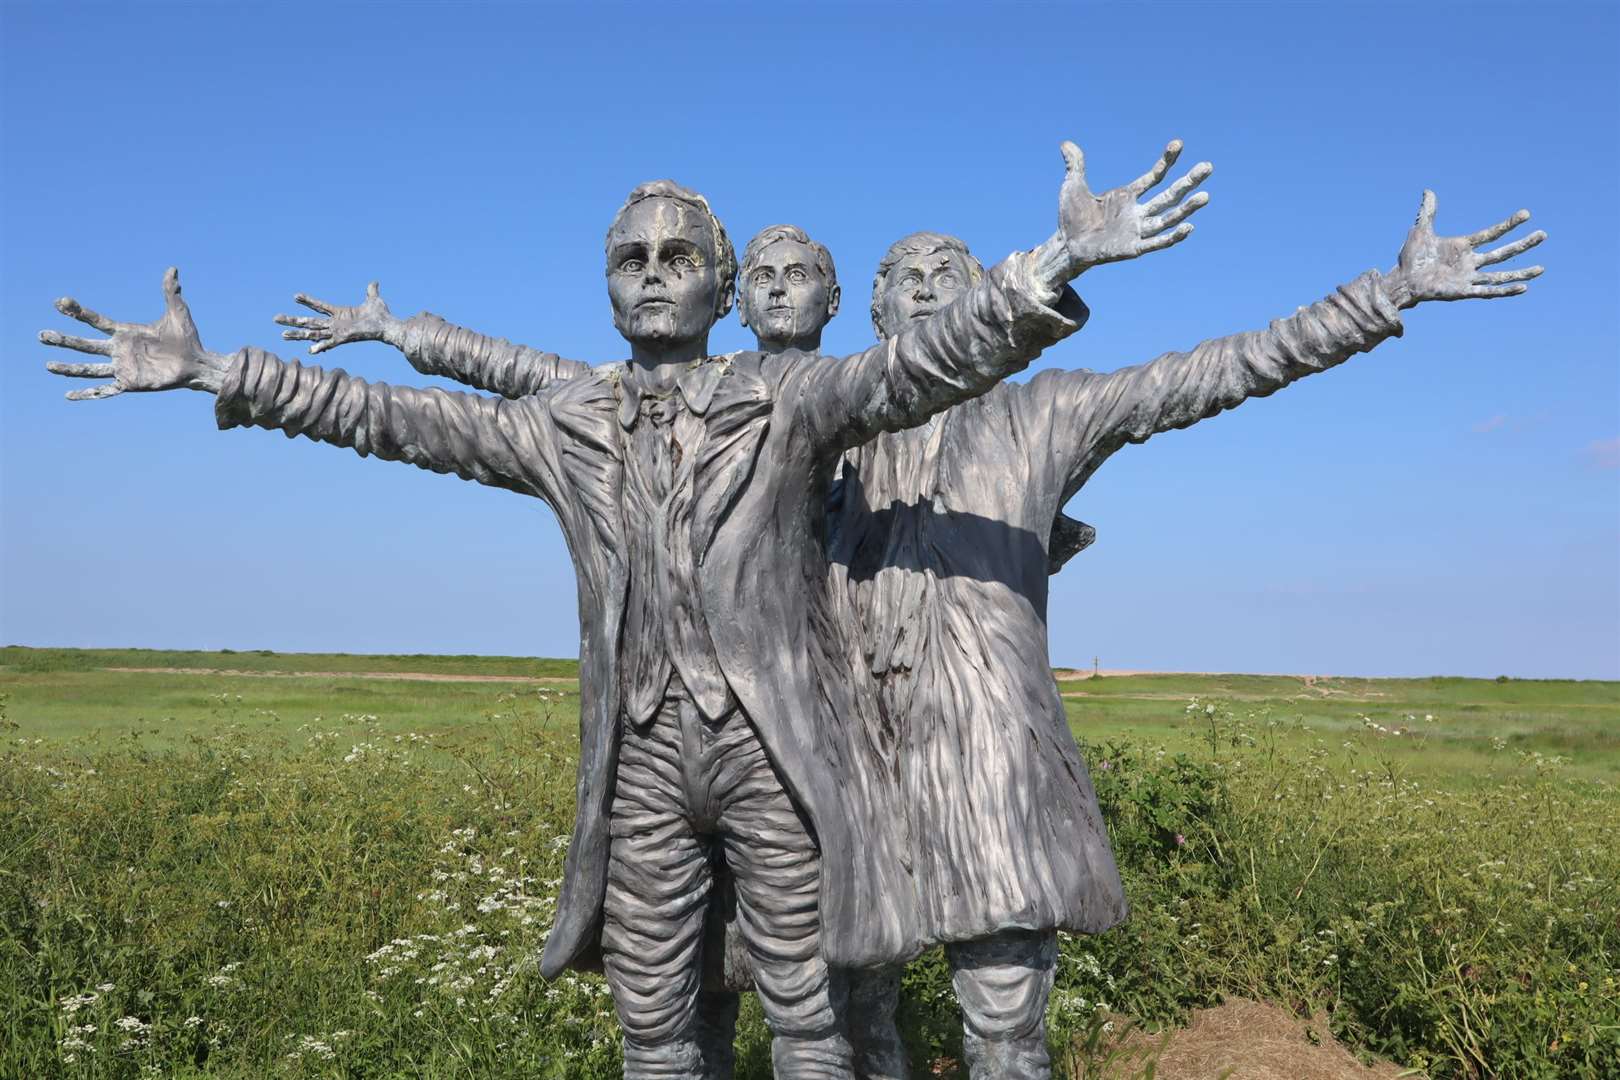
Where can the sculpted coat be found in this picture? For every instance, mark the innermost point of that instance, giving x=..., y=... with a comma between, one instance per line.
x=774, y=429
x=939, y=540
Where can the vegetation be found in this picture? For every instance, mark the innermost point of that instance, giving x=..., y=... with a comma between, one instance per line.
x=231, y=875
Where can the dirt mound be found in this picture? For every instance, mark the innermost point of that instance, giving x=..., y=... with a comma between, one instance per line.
x=1243, y=1040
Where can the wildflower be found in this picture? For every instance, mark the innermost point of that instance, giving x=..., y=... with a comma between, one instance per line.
x=106, y=988
x=1181, y=841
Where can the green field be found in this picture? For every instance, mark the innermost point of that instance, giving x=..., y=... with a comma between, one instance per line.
x=218, y=868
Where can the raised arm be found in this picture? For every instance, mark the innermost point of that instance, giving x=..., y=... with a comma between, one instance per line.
x=433, y=346
x=501, y=443
x=1020, y=307
x=1092, y=415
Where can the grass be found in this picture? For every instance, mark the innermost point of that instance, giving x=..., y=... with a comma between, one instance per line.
x=72, y=694
x=321, y=875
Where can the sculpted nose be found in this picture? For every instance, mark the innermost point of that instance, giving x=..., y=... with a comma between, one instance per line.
x=778, y=287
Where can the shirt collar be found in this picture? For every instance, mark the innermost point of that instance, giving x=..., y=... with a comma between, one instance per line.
x=696, y=387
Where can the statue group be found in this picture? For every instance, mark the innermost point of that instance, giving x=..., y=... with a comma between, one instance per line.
x=819, y=731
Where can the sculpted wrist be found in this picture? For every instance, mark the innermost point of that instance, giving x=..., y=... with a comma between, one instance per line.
x=1398, y=289
x=210, y=373
x=1054, y=265
x=408, y=336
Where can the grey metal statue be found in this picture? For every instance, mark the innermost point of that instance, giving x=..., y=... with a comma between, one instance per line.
x=936, y=541
x=935, y=536
x=938, y=534
x=719, y=720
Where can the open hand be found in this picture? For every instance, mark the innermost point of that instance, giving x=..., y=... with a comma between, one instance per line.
x=1434, y=267
x=1114, y=226
x=161, y=355
x=337, y=325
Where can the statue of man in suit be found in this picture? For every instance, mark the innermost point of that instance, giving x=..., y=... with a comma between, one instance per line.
x=718, y=717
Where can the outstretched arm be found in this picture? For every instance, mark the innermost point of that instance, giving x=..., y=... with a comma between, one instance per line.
x=501, y=443
x=1021, y=306
x=1093, y=415
x=433, y=346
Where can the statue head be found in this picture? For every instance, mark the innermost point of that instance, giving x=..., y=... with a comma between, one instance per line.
x=919, y=275
x=671, y=269
x=788, y=289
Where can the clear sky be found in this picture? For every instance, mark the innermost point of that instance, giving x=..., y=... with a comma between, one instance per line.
x=1447, y=504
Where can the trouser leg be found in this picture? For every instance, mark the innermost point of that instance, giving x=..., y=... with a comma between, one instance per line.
x=652, y=931
x=874, y=995
x=1002, y=983
x=776, y=869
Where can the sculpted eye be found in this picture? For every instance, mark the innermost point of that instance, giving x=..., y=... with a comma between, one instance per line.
x=683, y=262
x=949, y=281
x=632, y=266
x=911, y=279
x=762, y=277
x=798, y=277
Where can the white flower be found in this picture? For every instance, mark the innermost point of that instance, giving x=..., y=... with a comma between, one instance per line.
x=106, y=988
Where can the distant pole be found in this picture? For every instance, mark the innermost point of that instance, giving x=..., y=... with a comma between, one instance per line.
x=1096, y=666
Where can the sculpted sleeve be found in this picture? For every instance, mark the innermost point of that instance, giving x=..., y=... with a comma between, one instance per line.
x=1091, y=415
x=500, y=443
x=435, y=347
x=993, y=330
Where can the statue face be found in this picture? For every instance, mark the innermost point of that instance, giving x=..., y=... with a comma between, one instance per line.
x=919, y=285
x=662, y=278
x=785, y=299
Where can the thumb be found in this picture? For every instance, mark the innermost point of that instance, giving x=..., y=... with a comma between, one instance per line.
x=173, y=304
x=1074, y=161
x=1425, y=216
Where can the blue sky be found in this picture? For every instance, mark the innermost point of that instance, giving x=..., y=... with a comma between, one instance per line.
x=1447, y=504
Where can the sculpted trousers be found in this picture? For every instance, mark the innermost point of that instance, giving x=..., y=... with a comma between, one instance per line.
x=1002, y=983
x=690, y=793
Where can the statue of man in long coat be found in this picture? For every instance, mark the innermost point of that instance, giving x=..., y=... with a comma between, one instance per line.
x=940, y=535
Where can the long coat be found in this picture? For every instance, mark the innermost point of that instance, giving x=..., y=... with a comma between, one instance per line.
x=939, y=539
x=774, y=429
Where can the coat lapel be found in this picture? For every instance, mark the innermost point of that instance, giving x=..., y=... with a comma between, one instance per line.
x=586, y=411
x=736, y=404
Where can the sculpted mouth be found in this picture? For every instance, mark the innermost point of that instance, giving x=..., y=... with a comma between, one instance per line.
x=922, y=313
x=662, y=301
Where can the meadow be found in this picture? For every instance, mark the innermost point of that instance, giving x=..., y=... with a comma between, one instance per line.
x=210, y=867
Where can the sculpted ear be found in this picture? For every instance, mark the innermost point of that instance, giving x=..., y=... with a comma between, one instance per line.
x=723, y=301
x=833, y=297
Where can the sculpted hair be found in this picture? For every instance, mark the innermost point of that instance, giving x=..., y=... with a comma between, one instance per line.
x=771, y=234
x=725, y=255
x=920, y=243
